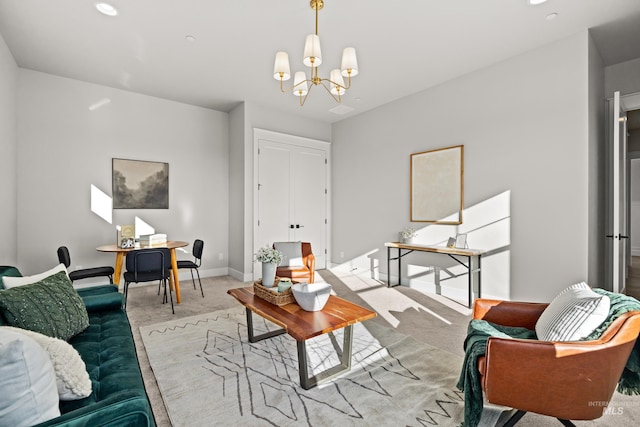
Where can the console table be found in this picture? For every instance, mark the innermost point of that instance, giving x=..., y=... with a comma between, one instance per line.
x=472, y=265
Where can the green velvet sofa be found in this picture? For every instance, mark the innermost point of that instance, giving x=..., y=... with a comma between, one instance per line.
x=108, y=350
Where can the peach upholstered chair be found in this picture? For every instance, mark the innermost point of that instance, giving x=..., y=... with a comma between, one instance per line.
x=299, y=263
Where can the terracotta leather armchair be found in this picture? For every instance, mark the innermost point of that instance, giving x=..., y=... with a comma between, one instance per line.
x=304, y=272
x=567, y=380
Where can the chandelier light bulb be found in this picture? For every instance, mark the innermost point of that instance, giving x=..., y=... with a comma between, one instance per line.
x=349, y=62
x=312, y=51
x=300, y=84
x=281, y=69
x=337, y=82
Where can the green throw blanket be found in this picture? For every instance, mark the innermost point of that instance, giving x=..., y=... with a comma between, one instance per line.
x=480, y=330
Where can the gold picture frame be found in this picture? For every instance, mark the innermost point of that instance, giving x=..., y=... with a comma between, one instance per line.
x=437, y=185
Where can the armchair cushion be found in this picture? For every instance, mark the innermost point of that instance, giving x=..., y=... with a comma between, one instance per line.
x=572, y=315
x=292, y=252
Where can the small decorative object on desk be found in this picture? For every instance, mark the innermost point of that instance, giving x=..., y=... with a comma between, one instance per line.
x=270, y=258
x=461, y=241
x=272, y=295
x=408, y=234
x=152, y=239
x=311, y=296
x=126, y=235
x=284, y=284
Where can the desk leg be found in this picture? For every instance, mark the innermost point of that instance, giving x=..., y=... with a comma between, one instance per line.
x=471, y=273
x=118, y=268
x=174, y=271
x=399, y=267
x=388, y=267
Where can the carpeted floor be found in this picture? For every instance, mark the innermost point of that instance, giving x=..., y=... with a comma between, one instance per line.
x=431, y=319
x=209, y=373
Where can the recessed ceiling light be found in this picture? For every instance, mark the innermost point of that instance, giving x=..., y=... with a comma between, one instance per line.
x=536, y=2
x=106, y=9
x=551, y=16
x=190, y=38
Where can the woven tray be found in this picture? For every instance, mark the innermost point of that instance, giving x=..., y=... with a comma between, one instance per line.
x=272, y=295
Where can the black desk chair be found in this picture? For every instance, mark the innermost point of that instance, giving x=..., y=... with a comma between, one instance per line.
x=148, y=265
x=198, y=246
x=84, y=273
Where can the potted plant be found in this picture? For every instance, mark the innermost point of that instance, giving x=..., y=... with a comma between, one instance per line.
x=270, y=258
x=408, y=234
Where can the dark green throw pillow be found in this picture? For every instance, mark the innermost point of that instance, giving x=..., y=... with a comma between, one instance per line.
x=51, y=307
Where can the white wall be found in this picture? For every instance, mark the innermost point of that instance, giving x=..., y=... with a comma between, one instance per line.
x=623, y=77
x=524, y=126
x=65, y=146
x=8, y=144
x=597, y=168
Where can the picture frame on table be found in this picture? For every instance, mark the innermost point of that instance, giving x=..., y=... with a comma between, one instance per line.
x=461, y=241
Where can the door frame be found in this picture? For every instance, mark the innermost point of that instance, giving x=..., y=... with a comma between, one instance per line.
x=628, y=102
x=283, y=138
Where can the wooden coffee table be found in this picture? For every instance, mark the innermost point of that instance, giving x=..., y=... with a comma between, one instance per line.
x=303, y=325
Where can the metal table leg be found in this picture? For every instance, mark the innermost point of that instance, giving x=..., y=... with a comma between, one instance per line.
x=345, y=362
x=256, y=338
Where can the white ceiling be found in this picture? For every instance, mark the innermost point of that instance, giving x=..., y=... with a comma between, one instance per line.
x=403, y=46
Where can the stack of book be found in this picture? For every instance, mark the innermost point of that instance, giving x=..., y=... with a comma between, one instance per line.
x=153, y=239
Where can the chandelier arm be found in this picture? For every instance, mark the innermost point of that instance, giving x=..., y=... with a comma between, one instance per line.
x=290, y=89
x=331, y=82
x=302, y=101
x=338, y=99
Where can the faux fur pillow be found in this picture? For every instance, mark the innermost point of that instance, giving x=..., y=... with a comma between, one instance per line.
x=72, y=378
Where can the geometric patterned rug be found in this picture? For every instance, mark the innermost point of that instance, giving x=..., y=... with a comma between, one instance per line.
x=209, y=374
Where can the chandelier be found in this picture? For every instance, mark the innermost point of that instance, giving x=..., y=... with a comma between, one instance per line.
x=313, y=58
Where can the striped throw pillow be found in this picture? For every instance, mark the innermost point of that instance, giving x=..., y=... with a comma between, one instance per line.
x=573, y=314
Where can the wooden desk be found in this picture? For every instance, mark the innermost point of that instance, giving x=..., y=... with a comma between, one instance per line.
x=303, y=325
x=473, y=261
x=121, y=252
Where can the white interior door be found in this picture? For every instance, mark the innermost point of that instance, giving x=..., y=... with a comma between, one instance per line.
x=618, y=200
x=310, y=200
x=292, y=202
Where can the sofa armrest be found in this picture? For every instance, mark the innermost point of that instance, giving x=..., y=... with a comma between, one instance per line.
x=508, y=313
x=105, y=302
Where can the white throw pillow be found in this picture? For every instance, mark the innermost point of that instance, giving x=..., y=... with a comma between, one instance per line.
x=10, y=282
x=573, y=315
x=72, y=379
x=292, y=252
x=28, y=393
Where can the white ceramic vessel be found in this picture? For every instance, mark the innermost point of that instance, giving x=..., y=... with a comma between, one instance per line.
x=311, y=296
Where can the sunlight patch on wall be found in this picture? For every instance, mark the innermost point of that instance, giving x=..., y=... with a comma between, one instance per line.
x=101, y=204
x=488, y=227
x=143, y=228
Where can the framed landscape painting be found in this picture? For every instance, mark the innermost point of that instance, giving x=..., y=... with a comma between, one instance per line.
x=138, y=184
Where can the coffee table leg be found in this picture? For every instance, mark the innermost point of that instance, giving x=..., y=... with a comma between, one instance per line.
x=345, y=362
x=256, y=338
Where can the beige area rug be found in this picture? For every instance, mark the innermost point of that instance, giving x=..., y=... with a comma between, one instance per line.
x=209, y=374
